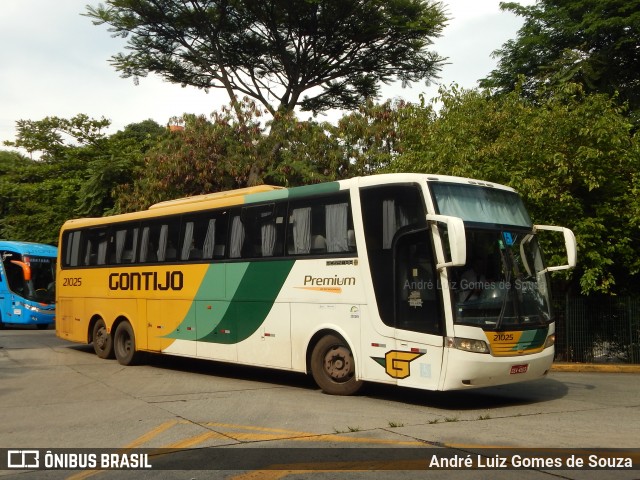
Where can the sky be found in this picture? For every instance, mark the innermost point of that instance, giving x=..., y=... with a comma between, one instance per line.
x=55, y=62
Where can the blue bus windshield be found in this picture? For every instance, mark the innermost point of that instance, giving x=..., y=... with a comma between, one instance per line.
x=38, y=284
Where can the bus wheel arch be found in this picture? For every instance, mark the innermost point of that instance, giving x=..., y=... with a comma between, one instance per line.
x=101, y=338
x=124, y=342
x=332, y=364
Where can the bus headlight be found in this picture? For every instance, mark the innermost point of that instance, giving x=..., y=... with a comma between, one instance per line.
x=468, y=344
x=551, y=341
x=35, y=309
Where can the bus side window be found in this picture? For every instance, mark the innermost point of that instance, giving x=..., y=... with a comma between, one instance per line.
x=159, y=241
x=236, y=238
x=336, y=227
x=299, y=236
x=96, y=242
x=124, y=245
x=203, y=236
x=263, y=227
x=71, y=248
x=321, y=227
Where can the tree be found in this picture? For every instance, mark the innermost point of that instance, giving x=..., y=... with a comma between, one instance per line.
x=312, y=54
x=112, y=165
x=371, y=137
x=36, y=197
x=39, y=195
x=572, y=156
x=591, y=42
x=202, y=158
x=211, y=155
x=51, y=134
x=76, y=175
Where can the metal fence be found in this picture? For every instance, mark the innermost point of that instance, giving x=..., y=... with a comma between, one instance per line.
x=598, y=330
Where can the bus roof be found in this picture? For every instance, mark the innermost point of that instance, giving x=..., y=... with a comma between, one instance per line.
x=266, y=193
x=227, y=194
x=29, y=248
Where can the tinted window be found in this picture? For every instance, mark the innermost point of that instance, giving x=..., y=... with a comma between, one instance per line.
x=204, y=236
x=159, y=241
x=321, y=226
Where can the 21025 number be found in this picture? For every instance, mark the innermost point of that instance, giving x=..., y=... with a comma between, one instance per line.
x=72, y=282
x=503, y=337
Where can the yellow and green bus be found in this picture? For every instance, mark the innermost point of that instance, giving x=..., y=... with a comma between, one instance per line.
x=424, y=281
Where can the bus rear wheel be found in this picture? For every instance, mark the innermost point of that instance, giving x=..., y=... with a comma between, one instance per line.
x=333, y=367
x=102, y=340
x=124, y=344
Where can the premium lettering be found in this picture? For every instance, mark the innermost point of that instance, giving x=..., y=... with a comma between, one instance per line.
x=328, y=281
x=146, y=281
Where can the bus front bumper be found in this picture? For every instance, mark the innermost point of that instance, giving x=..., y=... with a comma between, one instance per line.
x=474, y=370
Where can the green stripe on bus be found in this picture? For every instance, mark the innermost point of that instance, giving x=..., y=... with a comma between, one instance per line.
x=531, y=339
x=237, y=297
x=267, y=196
x=294, y=192
x=251, y=302
x=317, y=189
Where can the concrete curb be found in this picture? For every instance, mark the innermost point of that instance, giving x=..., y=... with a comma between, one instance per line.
x=595, y=367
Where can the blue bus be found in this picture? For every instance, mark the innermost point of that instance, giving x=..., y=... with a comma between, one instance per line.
x=27, y=284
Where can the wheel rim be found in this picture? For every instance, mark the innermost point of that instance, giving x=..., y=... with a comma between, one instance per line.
x=124, y=343
x=101, y=338
x=337, y=364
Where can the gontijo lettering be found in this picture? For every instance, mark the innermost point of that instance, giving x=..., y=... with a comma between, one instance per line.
x=146, y=281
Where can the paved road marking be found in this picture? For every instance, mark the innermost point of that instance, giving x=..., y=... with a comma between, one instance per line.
x=253, y=433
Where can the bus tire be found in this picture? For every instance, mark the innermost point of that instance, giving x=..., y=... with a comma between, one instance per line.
x=124, y=344
x=102, y=340
x=333, y=367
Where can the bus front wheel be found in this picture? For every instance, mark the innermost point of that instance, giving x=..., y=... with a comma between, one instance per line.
x=124, y=344
x=333, y=367
x=102, y=340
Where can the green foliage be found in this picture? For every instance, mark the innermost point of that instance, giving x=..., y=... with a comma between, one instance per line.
x=301, y=152
x=48, y=135
x=70, y=179
x=35, y=198
x=113, y=166
x=572, y=157
x=336, y=52
x=231, y=151
x=204, y=157
x=371, y=137
x=590, y=42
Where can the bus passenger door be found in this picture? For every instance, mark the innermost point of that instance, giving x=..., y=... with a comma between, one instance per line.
x=419, y=318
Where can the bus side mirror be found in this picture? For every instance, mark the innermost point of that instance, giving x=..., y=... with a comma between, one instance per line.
x=456, y=238
x=569, y=243
x=26, y=269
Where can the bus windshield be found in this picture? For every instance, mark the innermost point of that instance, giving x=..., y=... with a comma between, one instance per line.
x=31, y=277
x=504, y=283
x=477, y=204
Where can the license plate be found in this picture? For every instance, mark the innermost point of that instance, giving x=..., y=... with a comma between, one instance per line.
x=519, y=369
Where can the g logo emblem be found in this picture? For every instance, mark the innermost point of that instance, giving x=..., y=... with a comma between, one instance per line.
x=396, y=363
